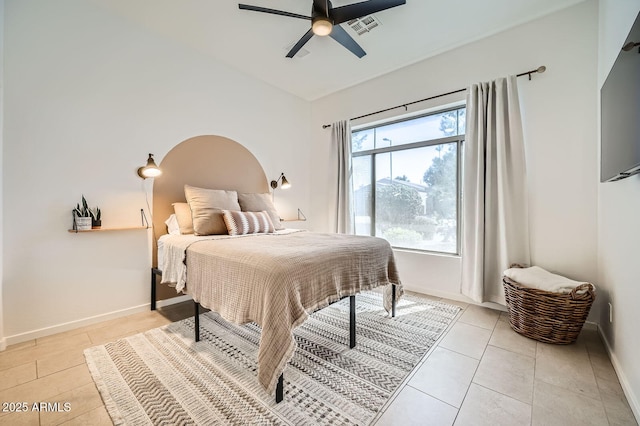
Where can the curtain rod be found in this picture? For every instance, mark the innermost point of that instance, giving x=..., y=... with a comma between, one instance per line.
x=540, y=69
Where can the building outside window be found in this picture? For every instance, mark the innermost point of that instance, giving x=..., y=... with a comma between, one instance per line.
x=407, y=181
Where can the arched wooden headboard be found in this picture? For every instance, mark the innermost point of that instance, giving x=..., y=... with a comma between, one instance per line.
x=213, y=162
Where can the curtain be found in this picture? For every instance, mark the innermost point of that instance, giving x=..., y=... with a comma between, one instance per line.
x=341, y=139
x=495, y=216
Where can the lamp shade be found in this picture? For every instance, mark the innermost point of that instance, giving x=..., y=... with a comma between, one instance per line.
x=151, y=170
x=321, y=26
x=284, y=183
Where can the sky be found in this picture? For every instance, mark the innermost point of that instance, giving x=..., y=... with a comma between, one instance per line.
x=411, y=163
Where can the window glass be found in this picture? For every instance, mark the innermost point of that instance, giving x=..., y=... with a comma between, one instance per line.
x=362, y=140
x=462, y=121
x=430, y=127
x=417, y=208
x=411, y=196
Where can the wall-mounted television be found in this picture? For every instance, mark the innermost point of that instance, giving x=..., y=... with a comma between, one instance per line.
x=620, y=112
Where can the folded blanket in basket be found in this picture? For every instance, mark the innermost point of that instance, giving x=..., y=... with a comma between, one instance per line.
x=537, y=277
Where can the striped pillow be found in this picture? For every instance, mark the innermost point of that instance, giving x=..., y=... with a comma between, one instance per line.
x=240, y=223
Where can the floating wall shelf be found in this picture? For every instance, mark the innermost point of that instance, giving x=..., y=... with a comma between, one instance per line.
x=129, y=228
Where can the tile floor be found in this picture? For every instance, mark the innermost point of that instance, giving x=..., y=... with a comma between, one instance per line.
x=480, y=372
x=483, y=373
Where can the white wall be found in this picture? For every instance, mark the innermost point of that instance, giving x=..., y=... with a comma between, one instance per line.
x=619, y=227
x=3, y=342
x=559, y=112
x=88, y=95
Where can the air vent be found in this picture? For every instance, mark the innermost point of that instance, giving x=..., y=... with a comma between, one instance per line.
x=364, y=25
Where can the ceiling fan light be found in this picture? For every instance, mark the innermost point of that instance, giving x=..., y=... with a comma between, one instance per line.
x=321, y=26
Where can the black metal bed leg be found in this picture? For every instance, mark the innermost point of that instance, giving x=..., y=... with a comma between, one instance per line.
x=352, y=322
x=196, y=319
x=393, y=300
x=280, y=389
x=154, y=271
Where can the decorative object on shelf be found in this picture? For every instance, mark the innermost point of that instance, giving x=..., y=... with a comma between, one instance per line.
x=82, y=216
x=284, y=184
x=151, y=170
x=96, y=218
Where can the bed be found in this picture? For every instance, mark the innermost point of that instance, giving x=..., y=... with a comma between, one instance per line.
x=275, y=278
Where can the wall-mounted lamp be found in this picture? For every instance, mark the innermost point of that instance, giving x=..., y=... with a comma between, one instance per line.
x=151, y=170
x=284, y=182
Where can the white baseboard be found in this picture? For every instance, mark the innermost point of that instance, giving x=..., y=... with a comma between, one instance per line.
x=632, y=398
x=47, y=331
x=454, y=296
x=435, y=293
x=172, y=301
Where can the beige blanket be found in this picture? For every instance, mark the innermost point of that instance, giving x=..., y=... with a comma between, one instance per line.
x=277, y=280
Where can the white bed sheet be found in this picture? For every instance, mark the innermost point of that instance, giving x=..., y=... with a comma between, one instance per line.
x=192, y=237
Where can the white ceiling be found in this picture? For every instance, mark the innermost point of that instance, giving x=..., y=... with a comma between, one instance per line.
x=256, y=43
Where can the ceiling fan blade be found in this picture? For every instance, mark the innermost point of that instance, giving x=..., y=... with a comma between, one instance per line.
x=341, y=36
x=305, y=38
x=272, y=11
x=357, y=10
x=321, y=6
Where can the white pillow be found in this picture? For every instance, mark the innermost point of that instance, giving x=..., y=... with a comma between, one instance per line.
x=172, y=225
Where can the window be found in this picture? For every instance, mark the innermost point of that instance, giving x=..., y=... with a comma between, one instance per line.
x=406, y=179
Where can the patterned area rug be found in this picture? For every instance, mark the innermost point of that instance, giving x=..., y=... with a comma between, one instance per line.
x=163, y=377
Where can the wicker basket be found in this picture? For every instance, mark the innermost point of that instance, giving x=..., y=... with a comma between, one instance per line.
x=546, y=316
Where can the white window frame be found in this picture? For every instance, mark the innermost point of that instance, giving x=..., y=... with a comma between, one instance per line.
x=458, y=139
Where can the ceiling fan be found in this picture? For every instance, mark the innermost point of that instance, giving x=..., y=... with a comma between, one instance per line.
x=326, y=20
